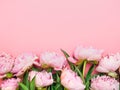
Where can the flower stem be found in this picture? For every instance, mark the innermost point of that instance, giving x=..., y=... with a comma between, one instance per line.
x=84, y=67
x=78, y=71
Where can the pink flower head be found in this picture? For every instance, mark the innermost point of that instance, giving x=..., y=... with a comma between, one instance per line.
x=10, y=84
x=104, y=83
x=53, y=60
x=32, y=74
x=6, y=64
x=87, y=53
x=43, y=79
x=71, y=80
x=109, y=63
x=23, y=62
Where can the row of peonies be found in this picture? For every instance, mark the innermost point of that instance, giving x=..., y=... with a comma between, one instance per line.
x=53, y=71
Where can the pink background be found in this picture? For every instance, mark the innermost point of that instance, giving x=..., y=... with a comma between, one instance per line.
x=39, y=25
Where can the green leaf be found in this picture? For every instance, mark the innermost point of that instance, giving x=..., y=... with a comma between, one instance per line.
x=89, y=76
x=52, y=87
x=58, y=78
x=65, y=53
x=23, y=86
x=25, y=80
x=35, y=69
x=57, y=86
x=32, y=84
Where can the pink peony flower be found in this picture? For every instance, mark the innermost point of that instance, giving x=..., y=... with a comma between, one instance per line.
x=54, y=60
x=71, y=80
x=104, y=83
x=6, y=64
x=43, y=79
x=32, y=74
x=10, y=84
x=23, y=62
x=87, y=53
x=109, y=63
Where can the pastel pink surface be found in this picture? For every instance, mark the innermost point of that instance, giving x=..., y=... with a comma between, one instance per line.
x=39, y=25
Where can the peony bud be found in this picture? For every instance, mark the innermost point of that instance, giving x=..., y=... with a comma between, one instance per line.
x=71, y=80
x=43, y=79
